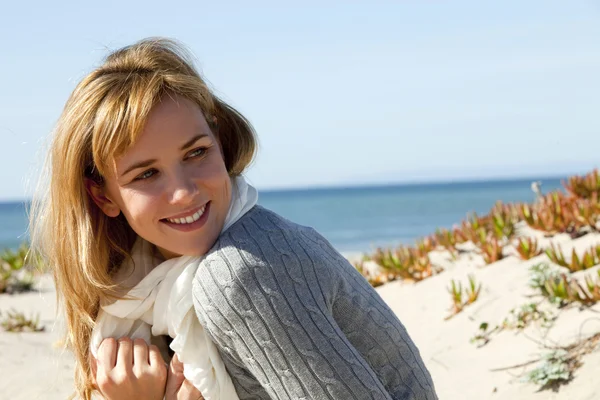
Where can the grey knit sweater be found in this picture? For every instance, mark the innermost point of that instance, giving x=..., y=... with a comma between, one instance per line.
x=293, y=319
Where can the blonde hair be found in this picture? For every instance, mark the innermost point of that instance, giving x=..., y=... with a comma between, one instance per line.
x=103, y=117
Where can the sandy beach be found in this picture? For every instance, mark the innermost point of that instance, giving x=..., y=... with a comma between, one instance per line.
x=32, y=368
x=32, y=365
x=459, y=369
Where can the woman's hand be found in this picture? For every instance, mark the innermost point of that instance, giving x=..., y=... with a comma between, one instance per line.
x=127, y=369
x=179, y=388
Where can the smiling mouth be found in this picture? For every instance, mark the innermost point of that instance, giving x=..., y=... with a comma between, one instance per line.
x=190, y=219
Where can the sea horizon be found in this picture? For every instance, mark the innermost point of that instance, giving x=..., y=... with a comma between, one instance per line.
x=360, y=218
x=379, y=185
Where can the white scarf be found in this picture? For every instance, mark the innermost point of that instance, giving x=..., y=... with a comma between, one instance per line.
x=161, y=303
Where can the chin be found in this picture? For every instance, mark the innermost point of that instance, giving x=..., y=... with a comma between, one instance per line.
x=193, y=249
x=187, y=244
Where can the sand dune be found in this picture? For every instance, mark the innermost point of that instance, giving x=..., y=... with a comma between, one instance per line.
x=33, y=369
x=460, y=370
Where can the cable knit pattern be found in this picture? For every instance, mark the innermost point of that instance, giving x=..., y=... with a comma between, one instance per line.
x=293, y=319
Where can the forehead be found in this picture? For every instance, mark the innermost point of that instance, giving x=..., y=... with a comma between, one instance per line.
x=171, y=113
x=171, y=122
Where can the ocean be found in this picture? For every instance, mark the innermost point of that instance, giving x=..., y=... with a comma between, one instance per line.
x=360, y=219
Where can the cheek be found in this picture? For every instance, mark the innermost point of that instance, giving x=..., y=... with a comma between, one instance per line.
x=220, y=186
x=213, y=174
x=138, y=207
x=226, y=190
x=217, y=183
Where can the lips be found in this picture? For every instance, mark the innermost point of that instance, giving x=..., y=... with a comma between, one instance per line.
x=197, y=218
x=188, y=219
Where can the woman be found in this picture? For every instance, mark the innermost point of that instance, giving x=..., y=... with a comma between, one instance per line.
x=147, y=207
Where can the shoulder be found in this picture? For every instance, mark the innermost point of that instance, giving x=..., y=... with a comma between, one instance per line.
x=260, y=219
x=267, y=236
x=265, y=249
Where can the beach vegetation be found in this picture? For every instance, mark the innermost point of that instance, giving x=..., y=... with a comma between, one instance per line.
x=593, y=285
x=550, y=214
x=559, y=214
x=528, y=247
x=541, y=273
x=561, y=289
x=463, y=297
x=374, y=281
x=567, y=290
x=575, y=211
x=473, y=290
x=393, y=261
x=408, y=263
x=473, y=228
x=447, y=239
x=588, y=259
x=521, y=317
x=15, y=321
x=585, y=214
x=16, y=274
x=555, y=368
x=502, y=221
x=483, y=335
x=491, y=250
x=558, y=365
x=499, y=223
x=456, y=293
x=425, y=245
x=556, y=255
x=585, y=187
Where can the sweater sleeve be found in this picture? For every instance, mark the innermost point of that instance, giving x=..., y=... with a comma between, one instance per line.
x=372, y=327
x=268, y=299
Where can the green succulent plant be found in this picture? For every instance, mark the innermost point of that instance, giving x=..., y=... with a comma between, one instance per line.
x=15, y=321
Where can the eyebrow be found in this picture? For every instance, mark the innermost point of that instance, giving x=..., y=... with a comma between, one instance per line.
x=140, y=164
x=146, y=163
x=193, y=140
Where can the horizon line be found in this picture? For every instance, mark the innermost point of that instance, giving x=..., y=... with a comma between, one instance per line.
x=375, y=185
x=422, y=182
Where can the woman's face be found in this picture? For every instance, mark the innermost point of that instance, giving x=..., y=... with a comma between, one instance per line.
x=172, y=185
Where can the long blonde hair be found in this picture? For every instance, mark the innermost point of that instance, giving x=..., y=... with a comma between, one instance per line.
x=103, y=117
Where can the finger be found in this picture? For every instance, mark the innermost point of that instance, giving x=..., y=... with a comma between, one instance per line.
x=140, y=353
x=154, y=356
x=107, y=354
x=176, y=366
x=125, y=353
x=175, y=378
x=189, y=391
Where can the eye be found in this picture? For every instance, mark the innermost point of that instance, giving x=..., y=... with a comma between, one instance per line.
x=197, y=152
x=145, y=175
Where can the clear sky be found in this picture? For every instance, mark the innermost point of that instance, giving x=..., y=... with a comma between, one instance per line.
x=340, y=92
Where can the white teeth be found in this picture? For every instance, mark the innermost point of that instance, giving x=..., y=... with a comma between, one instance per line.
x=188, y=220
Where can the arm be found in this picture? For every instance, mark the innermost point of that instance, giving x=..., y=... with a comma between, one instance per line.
x=373, y=328
x=262, y=302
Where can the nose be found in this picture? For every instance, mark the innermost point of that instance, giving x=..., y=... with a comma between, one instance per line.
x=183, y=188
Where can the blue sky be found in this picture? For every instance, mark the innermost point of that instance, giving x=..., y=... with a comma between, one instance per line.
x=343, y=93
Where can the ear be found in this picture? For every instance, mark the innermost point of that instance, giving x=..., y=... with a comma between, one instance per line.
x=98, y=194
